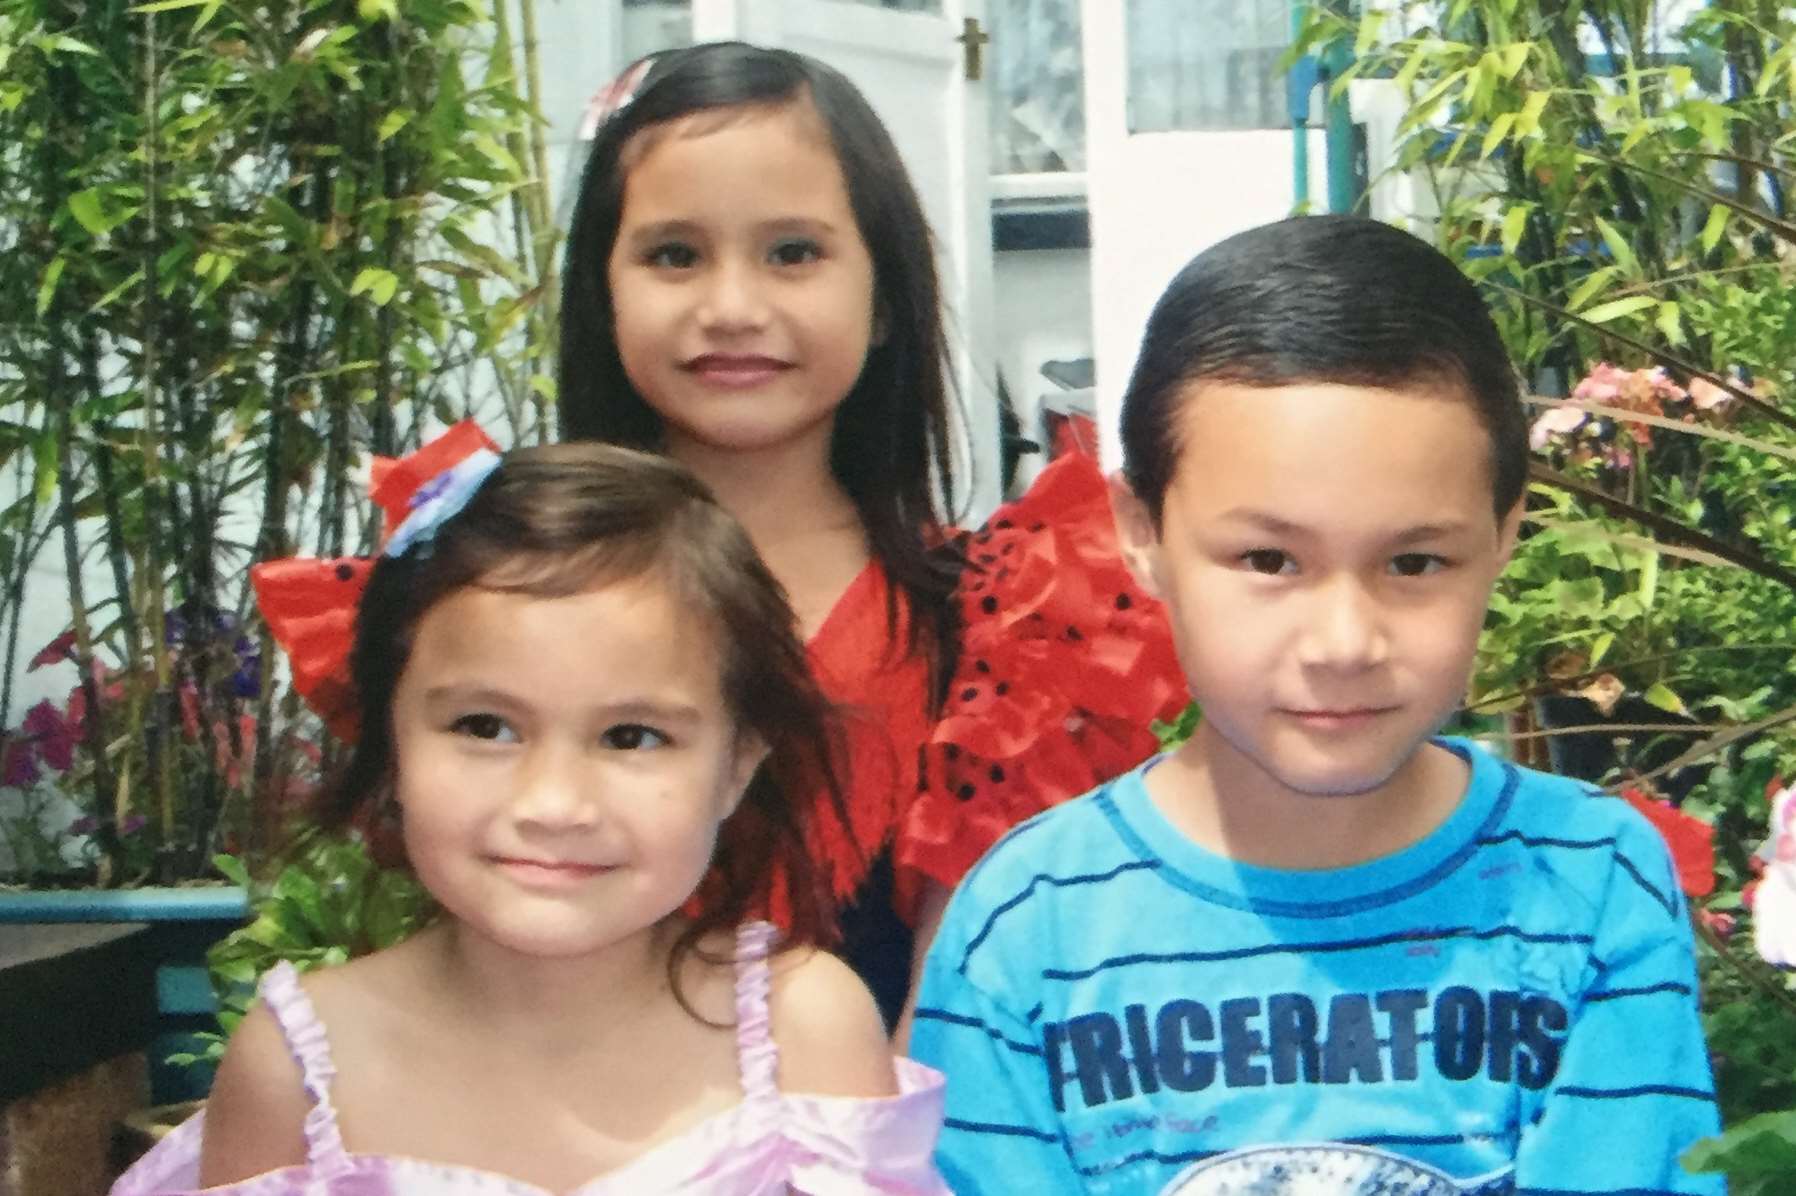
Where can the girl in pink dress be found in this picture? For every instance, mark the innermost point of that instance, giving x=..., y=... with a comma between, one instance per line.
x=586, y=714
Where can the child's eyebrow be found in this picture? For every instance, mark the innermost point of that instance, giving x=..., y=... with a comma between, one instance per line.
x=662, y=228
x=798, y=224
x=1279, y=526
x=1265, y=522
x=1432, y=531
x=631, y=709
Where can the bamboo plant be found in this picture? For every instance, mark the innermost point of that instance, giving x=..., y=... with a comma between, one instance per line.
x=247, y=245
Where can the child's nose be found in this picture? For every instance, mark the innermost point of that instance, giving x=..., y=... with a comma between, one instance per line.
x=553, y=792
x=733, y=298
x=1345, y=627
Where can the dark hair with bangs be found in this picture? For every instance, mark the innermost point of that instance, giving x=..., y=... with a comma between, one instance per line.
x=559, y=520
x=890, y=445
x=1340, y=299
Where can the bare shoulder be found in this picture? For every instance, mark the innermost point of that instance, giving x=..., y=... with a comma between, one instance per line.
x=831, y=1039
x=255, y=1116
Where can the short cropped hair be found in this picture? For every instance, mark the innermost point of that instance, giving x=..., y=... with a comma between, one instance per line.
x=1329, y=299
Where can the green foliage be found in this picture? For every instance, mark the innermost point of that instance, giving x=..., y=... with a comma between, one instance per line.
x=245, y=246
x=1619, y=187
x=327, y=904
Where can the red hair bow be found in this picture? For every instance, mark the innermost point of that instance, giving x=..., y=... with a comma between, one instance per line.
x=310, y=603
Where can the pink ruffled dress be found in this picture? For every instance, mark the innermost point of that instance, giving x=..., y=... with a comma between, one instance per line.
x=770, y=1142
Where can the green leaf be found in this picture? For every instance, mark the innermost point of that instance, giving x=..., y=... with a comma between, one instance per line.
x=1649, y=580
x=1599, y=278
x=377, y=10
x=112, y=296
x=46, y=290
x=1660, y=695
x=1528, y=121
x=90, y=210
x=166, y=5
x=1496, y=134
x=392, y=122
x=1515, y=223
x=497, y=154
x=1599, y=647
x=1515, y=57
x=1615, y=309
x=1669, y=323
x=232, y=869
x=46, y=451
x=380, y=285
x=1714, y=227
x=1619, y=249
x=67, y=44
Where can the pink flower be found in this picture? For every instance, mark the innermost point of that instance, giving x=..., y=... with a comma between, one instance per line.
x=1706, y=396
x=18, y=764
x=1558, y=421
x=1721, y=925
x=53, y=734
x=1603, y=383
x=59, y=649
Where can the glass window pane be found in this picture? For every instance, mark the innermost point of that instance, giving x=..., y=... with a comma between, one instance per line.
x=1207, y=64
x=651, y=25
x=905, y=5
x=1037, y=86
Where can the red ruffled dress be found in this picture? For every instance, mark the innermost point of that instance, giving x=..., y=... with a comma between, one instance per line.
x=1064, y=664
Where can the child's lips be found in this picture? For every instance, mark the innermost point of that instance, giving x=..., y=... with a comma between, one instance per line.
x=736, y=371
x=1340, y=718
x=549, y=873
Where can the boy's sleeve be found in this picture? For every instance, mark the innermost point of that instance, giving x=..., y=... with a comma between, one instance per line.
x=1634, y=1089
x=1002, y=1134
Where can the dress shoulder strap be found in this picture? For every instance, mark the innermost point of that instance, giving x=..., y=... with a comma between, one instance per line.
x=756, y=1053
x=306, y=1040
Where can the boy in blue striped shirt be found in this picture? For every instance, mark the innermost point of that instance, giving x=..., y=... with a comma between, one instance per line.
x=1317, y=949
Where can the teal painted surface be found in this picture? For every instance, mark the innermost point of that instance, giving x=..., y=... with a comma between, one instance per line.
x=184, y=989
x=212, y=903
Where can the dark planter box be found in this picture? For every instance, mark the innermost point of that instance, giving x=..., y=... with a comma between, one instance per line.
x=86, y=976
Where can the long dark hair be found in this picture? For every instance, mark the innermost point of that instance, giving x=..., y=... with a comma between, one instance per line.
x=561, y=519
x=890, y=447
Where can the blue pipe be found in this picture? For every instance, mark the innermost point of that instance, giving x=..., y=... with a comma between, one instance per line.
x=1307, y=74
x=208, y=903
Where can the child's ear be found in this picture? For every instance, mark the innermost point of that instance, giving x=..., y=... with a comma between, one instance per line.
x=1136, y=535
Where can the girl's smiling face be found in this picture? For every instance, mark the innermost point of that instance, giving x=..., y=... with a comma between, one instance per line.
x=741, y=289
x=563, y=764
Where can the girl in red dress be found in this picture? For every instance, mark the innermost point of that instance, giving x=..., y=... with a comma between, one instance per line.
x=751, y=289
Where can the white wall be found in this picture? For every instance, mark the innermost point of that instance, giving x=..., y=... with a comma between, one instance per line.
x=1043, y=313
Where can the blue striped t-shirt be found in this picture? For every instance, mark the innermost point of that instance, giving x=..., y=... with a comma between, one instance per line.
x=1508, y=1005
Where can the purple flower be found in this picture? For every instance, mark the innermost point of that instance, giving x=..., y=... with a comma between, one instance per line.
x=87, y=824
x=132, y=824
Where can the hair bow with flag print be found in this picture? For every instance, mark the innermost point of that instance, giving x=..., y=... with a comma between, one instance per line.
x=310, y=603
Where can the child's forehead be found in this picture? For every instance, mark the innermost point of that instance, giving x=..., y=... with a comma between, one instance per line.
x=795, y=115
x=1317, y=446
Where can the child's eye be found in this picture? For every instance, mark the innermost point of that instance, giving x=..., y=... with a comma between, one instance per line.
x=633, y=737
x=672, y=256
x=1416, y=564
x=484, y=726
x=1269, y=561
x=796, y=252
